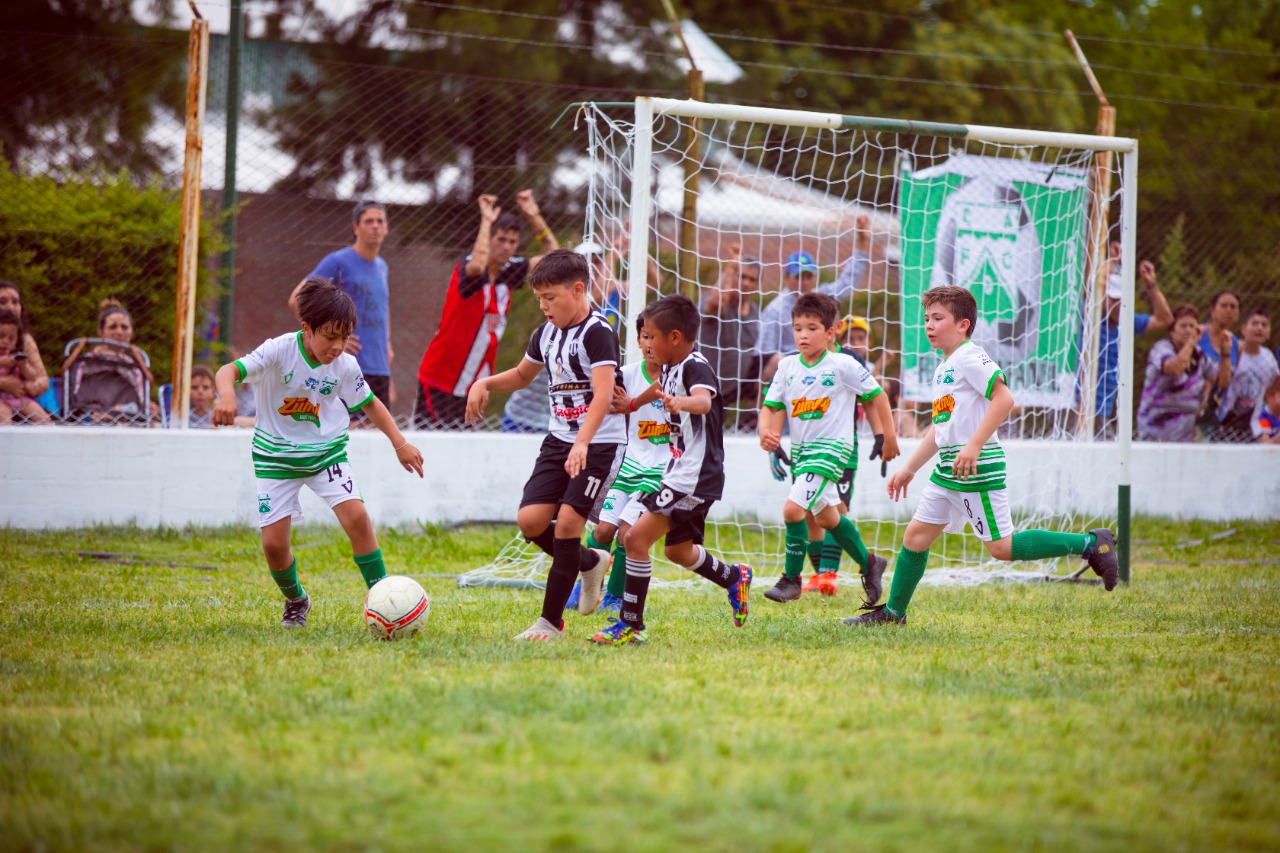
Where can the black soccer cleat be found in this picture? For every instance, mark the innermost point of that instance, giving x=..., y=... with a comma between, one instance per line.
x=875, y=615
x=1102, y=558
x=872, y=579
x=295, y=612
x=786, y=589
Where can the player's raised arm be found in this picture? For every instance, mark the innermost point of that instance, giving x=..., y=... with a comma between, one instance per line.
x=489, y=212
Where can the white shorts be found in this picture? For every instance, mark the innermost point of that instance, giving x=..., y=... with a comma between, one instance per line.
x=621, y=507
x=814, y=492
x=278, y=499
x=986, y=512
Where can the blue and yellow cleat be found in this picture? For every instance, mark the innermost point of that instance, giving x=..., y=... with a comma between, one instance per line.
x=610, y=604
x=740, y=595
x=619, y=633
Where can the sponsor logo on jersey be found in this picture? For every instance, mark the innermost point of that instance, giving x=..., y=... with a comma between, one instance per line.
x=300, y=409
x=808, y=380
x=287, y=378
x=569, y=387
x=570, y=413
x=942, y=409
x=312, y=383
x=810, y=410
x=655, y=432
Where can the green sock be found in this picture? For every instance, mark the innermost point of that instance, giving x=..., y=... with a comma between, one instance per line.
x=907, y=571
x=847, y=535
x=287, y=580
x=618, y=573
x=815, y=554
x=1036, y=544
x=831, y=552
x=592, y=542
x=797, y=545
x=371, y=566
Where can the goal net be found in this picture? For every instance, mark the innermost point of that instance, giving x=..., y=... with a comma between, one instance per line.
x=736, y=206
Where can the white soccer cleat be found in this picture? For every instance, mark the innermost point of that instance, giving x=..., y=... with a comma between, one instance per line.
x=541, y=631
x=593, y=583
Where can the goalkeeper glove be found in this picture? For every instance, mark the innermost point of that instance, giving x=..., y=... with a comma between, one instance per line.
x=877, y=449
x=778, y=464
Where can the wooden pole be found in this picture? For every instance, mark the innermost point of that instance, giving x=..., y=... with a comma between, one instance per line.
x=687, y=263
x=687, y=240
x=1097, y=250
x=189, y=236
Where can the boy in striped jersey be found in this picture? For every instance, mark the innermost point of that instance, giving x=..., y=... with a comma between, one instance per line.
x=583, y=448
x=818, y=391
x=693, y=479
x=970, y=399
x=301, y=382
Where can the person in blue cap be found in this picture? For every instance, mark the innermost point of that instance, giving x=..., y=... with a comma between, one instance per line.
x=800, y=275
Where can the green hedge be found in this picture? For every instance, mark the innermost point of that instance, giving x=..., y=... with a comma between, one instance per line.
x=71, y=240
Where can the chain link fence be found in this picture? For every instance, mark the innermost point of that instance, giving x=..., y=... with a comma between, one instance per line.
x=92, y=135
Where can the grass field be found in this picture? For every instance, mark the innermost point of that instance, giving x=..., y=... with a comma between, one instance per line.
x=156, y=706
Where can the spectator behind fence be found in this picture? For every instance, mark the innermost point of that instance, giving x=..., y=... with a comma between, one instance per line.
x=129, y=378
x=1177, y=372
x=1266, y=423
x=801, y=276
x=360, y=273
x=729, y=332
x=1224, y=314
x=1253, y=373
x=202, y=397
x=14, y=364
x=38, y=385
x=1109, y=333
x=474, y=316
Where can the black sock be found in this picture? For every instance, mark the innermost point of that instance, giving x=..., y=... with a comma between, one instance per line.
x=560, y=580
x=715, y=570
x=586, y=559
x=545, y=540
x=635, y=592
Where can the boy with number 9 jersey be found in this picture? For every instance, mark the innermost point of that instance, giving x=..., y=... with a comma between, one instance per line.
x=300, y=382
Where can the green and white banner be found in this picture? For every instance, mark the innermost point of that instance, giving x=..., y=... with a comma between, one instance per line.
x=1012, y=232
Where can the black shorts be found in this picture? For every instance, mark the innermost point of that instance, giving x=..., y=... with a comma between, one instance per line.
x=550, y=484
x=844, y=487
x=686, y=515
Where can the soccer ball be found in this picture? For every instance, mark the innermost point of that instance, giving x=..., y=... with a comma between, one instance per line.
x=396, y=607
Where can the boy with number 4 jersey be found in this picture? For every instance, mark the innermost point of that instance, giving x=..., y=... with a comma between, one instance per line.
x=817, y=391
x=304, y=384
x=970, y=399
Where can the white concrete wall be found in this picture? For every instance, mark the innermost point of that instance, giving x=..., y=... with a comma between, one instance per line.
x=61, y=477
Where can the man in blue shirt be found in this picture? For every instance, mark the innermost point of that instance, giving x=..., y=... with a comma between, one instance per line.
x=359, y=272
x=1109, y=334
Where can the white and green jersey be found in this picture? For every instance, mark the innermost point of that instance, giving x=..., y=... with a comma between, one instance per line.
x=301, y=424
x=962, y=387
x=821, y=401
x=648, y=437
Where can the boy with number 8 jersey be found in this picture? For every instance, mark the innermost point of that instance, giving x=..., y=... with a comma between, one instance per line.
x=582, y=451
x=970, y=399
x=301, y=382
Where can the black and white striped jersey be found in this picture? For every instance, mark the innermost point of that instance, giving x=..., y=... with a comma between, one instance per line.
x=697, y=441
x=569, y=355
